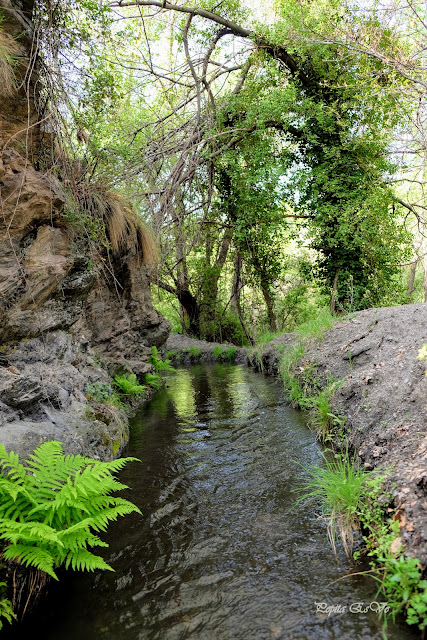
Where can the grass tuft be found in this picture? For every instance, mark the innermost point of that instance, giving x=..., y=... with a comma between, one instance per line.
x=9, y=50
x=338, y=486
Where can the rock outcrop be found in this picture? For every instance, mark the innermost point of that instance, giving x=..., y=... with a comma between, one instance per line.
x=69, y=316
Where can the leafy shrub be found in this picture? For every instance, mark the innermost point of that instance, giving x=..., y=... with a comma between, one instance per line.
x=217, y=352
x=221, y=353
x=129, y=385
x=52, y=506
x=194, y=352
x=158, y=363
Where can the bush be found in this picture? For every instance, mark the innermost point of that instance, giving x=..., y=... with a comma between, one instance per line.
x=5, y=608
x=158, y=363
x=221, y=353
x=152, y=380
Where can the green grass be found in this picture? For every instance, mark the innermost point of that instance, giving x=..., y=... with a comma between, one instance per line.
x=303, y=387
x=338, y=487
x=194, y=352
x=352, y=499
x=224, y=354
x=265, y=337
x=316, y=327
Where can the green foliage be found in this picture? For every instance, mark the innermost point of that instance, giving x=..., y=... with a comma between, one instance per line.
x=128, y=385
x=316, y=327
x=99, y=391
x=166, y=303
x=217, y=352
x=351, y=498
x=102, y=392
x=266, y=336
x=399, y=577
x=224, y=354
x=302, y=385
x=158, y=363
x=194, y=352
x=152, y=380
x=422, y=354
x=52, y=507
x=6, y=610
x=338, y=487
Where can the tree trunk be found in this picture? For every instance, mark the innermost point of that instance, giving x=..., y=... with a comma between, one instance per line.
x=208, y=315
x=236, y=290
x=411, y=280
x=269, y=304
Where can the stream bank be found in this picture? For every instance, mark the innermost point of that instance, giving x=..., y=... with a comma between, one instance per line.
x=223, y=551
x=381, y=398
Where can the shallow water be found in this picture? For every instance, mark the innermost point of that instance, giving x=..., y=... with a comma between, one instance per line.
x=222, y=551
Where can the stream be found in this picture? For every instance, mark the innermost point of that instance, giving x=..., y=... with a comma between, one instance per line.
x=223, y=551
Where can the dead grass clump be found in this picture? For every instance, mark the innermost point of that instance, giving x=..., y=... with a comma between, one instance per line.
x=9, y=50
x=125, y=231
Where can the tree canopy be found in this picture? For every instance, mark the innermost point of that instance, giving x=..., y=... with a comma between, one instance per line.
x=278, y=156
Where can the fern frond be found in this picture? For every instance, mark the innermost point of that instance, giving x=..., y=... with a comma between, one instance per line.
x=10, y=461
x=31, y=556
x=52, y=507
x=28, y=532
x=84, y=560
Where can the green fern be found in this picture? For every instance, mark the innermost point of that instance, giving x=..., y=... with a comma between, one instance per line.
x=129, y=385
x=152, y=380
x=52, y=506
x=6, y=610
x=158, y=363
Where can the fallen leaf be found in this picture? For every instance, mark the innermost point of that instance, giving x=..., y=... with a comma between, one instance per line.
x=409, y=526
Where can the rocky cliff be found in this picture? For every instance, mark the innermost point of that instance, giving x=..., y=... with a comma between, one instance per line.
x=69, y=315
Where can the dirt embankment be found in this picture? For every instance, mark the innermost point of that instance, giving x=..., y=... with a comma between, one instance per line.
x=382, y=396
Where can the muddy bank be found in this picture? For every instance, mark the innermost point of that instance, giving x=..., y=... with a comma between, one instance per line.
x=382, y=397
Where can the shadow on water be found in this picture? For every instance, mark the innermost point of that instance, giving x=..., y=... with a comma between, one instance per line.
x=222, y=551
